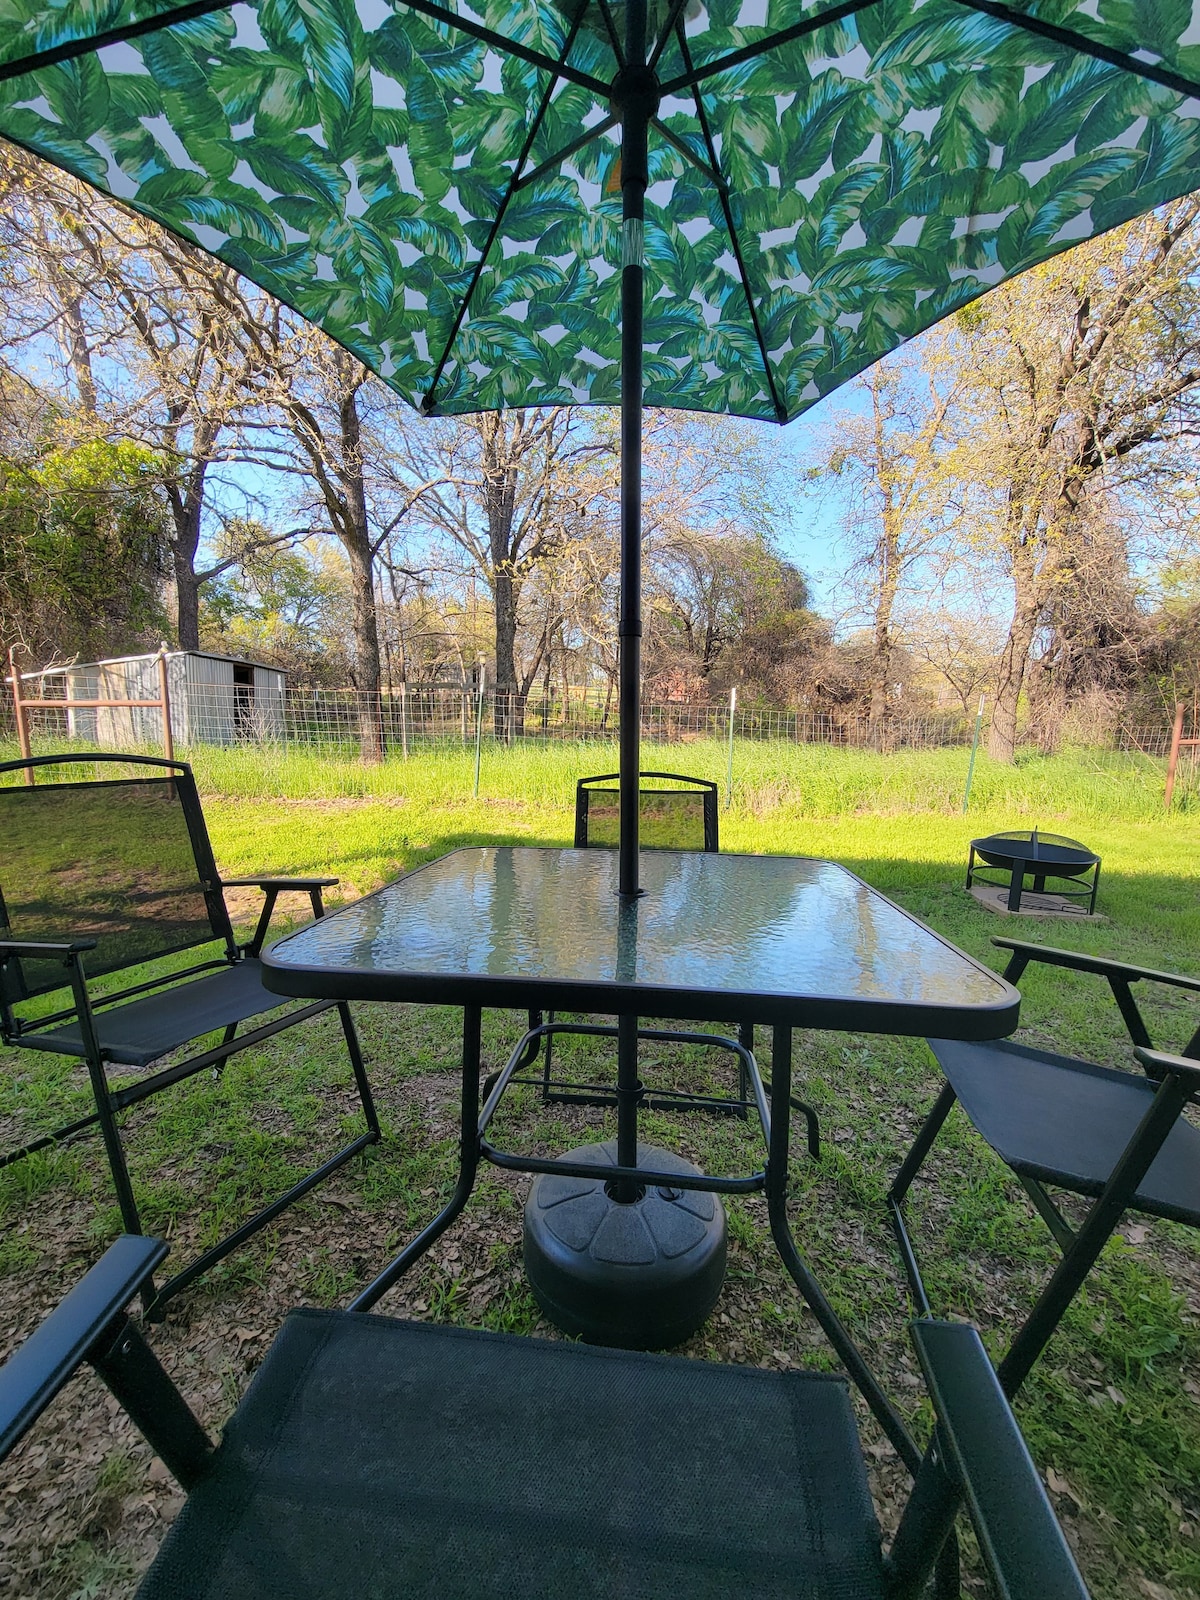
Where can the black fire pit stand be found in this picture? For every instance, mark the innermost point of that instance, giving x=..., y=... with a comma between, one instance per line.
x=1029, y=853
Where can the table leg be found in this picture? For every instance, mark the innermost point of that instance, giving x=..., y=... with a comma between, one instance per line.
x=468, y=1163
x=1016, y=883
x=848, y=1352
x=629, y=1093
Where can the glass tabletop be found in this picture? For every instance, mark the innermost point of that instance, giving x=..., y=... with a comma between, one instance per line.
x=756, y=938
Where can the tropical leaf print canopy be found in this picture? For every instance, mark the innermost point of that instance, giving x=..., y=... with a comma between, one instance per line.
x=437, y=184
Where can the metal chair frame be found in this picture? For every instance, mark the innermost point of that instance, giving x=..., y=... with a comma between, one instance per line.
x=752, y=1090
x=88, y=1011
x=1178, y=1080
x=976, y=1453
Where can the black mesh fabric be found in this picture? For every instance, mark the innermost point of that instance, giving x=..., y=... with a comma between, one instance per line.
x=667, y=819
x=109, y=861
x=1066, y=1122
x=375, y=1458
x=140, y=1031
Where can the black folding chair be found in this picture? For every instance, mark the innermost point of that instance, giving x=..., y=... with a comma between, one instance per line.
x=1063, y=1123
x=683, y=817
x=386, y=1458
x=115, y=873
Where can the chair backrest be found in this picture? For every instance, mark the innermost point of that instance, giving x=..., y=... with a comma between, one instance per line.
x=668, y=819
x=123, y=860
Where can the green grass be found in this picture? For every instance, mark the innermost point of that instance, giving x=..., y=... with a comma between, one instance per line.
x=1113, y=1409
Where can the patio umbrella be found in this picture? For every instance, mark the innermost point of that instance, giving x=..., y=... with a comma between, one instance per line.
x=723, y=205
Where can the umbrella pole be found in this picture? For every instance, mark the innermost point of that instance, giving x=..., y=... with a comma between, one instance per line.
x=635, y=97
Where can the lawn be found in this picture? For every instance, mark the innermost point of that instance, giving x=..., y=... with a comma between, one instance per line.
x=1112, y=1411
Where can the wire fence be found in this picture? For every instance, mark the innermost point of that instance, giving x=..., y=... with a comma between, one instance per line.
x=439, y=716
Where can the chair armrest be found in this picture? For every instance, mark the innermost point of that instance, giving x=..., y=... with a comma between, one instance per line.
x=1104, y=966
x=1018, y=1531
x=278, y=884
x=38, y=1369
x=30, y=949
x=1158, y=1062
x=272, y=888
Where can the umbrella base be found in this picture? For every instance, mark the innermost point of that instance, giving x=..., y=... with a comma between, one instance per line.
x=641, y=1275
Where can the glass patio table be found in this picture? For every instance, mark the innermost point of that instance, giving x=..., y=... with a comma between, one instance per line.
x=778, y=941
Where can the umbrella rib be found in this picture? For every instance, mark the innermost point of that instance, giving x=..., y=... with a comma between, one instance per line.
x=71, y=48
x=735, y=58
x=727, y=212
x=1085, y=46
x=668, y=29
x=567, y=150
x=614, y=37
x=513, y=185
x=686, y=151
x=512, y=47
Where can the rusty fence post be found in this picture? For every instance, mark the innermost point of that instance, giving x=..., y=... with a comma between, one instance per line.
x=1173, y=758
x=20, y=714
x=164, y=695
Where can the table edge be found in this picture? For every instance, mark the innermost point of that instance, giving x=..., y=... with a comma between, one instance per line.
x=992, y=1020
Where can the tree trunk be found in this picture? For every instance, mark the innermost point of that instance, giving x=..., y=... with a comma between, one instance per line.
x=187, y=503
x=881, y=664
x=509, y=713
x=1010, y=679
x=186, y=498
x=356, y=540
x=366, y=644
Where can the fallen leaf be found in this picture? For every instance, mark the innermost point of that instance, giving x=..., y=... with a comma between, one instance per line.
x=1061, y=1485
x=1156, y=1591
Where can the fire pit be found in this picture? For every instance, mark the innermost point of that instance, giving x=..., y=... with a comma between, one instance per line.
x=1029, y=853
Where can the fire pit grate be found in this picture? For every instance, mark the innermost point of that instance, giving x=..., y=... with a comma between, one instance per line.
x=1029, y=853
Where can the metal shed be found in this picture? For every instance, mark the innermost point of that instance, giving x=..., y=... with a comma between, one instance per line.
x=214, y=699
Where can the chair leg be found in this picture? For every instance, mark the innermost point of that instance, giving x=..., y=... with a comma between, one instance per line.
x=227, y=1037
x=1038, y=1328
x=901, y=1184
x=131, y=1221
x=746, y=1040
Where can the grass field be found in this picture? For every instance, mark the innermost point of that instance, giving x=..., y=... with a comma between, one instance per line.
x=1113, y=1410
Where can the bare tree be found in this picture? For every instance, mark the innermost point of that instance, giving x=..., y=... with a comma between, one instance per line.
x=1077, y=380
x=886, y=471
x=960, y=644
x=511, y=490
x=183, y=342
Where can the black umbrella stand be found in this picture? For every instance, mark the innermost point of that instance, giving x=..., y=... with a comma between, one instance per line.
x=607, y=1258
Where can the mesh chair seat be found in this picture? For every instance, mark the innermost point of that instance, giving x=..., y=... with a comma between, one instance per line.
x=679, y=1480
x=1065, y=1122
x=139, y=1032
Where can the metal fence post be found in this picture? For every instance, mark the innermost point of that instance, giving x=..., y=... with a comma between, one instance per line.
x=479, y=723
x=164, y=694
x=729, y=764
x=974, y=748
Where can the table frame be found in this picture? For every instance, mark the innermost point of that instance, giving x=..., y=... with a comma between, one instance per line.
x=627, y=1001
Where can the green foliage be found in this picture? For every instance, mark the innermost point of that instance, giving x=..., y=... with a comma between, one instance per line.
x=283, y=604
x=884, y=170
x=82, y=549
